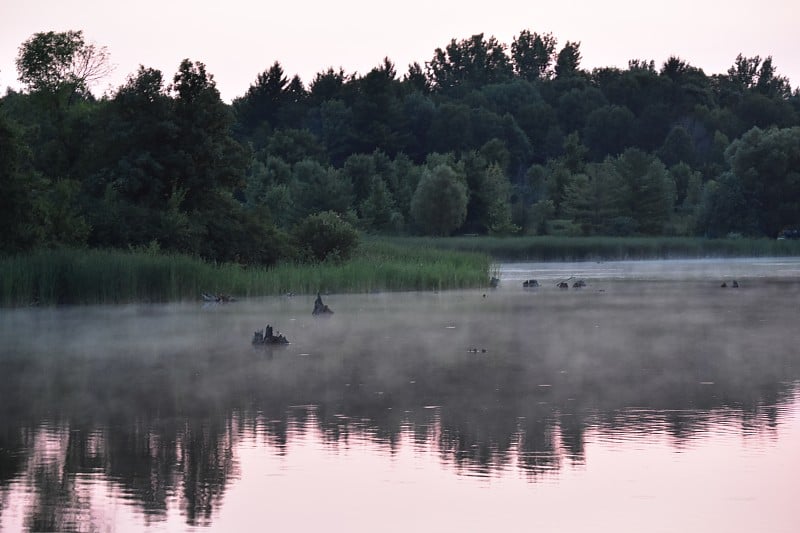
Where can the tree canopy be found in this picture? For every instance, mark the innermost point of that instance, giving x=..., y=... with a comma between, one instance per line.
x=481, y=138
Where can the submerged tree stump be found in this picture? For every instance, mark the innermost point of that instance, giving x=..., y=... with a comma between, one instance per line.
x=320, y=308
x=268, y=337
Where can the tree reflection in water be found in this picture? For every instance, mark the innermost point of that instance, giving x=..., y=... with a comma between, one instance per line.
x=163, y=425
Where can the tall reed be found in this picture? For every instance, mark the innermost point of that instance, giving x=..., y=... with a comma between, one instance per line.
x=66, y=276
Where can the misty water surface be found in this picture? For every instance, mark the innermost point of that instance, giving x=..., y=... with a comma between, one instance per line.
x=650, y=400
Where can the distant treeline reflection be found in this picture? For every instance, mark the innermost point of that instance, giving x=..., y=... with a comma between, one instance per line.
x=171, y=432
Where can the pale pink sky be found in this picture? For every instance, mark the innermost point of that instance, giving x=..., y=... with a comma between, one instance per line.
x=238, y=39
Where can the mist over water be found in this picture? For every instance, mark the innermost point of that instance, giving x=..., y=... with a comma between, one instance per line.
x=651, y=391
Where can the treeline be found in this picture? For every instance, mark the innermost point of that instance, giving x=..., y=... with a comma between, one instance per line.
x=484, y=138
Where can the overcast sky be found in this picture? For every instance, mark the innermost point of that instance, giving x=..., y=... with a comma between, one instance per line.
x=238, y=39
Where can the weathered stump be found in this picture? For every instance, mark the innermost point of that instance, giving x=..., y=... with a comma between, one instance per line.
x=320, y=308
x=269, y=336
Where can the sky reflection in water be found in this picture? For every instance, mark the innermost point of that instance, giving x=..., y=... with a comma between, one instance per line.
x=653, y=404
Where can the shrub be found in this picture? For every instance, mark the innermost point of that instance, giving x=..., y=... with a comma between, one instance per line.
x=325, y=236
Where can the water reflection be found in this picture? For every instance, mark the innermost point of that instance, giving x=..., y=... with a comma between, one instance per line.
x=156, y=404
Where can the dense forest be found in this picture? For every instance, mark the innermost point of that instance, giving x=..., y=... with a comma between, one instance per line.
x=483, y=138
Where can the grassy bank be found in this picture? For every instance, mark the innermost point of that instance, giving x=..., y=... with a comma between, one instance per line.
x=50, y=277
x=609, y=248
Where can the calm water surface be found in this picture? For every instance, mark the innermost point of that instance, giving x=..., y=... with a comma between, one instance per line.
x=650, y=400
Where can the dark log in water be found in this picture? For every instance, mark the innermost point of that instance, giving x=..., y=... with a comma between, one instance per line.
x=217, y=298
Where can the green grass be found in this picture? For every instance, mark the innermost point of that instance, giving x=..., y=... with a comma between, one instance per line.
x=53, y=277
x=550, y=248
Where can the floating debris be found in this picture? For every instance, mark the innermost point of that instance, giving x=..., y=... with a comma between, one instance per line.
x=530, y=283
x=220, y=298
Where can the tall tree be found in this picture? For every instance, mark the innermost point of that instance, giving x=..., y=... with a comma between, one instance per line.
x=767, y=164
x=416, y=79
x=263, y=99
x=496, y=191
x=469, y=63
x=651, y=191
x=568, y=60
x=316, y=188
x=678, y=147
x=439, y=205
x=594, y=199
x=533, y=54
x=378, y=210
x=61, y=63
x=327, y=85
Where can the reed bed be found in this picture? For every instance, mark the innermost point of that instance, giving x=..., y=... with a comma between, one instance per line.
x=68, y=276
x=55, y=277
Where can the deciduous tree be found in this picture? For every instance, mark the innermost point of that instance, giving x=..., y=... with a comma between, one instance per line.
x=61, y=63
x=439, y=205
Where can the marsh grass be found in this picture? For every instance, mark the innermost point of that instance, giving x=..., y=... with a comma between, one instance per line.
x=53, y=277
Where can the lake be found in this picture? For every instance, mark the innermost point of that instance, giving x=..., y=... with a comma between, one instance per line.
x=652, y=399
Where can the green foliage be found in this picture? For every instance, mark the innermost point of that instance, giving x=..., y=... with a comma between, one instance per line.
x=61, y=64
x=750, y=73
x=568, y=60
x=608, y=130
x=533, y=54
x=767, y=165
x=316, y=188
x=538, y=215
x=208, y=155
x=496, y=191
x=469, y=63
x=326, y=237
x=17, y=192
x=178, y=167
x=439, y=205
x=575, y=106
x=61, y=219
x=595, y=199
x=294, y=145
x=649, y=190
x=378, y=210
x=678, y=148
x=263, y=99
x=688, y=183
